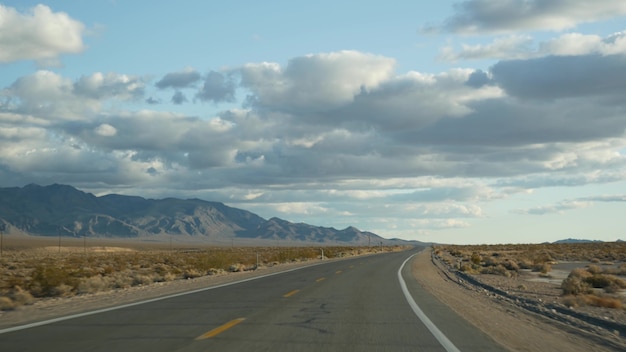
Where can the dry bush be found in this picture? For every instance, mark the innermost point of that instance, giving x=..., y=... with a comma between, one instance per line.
x=592, y=300
x=21, y=297
x=543, y=268
x=51, y=281
x=605, y=302
x=476, y=258
x=469, y=268
x=6, y=303
x=93, y=284
x=594, y=269
x=575, y=285
x=42, y=273
x=496, y=270
x=609, y=283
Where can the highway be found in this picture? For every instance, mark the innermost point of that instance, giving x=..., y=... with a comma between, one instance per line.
x=356, y=304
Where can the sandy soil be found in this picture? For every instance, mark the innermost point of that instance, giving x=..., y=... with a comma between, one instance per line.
x=506, y=320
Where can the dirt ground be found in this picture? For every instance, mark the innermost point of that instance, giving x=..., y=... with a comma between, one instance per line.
x=506, y=321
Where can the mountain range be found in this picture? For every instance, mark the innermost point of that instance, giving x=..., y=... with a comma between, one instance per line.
x=62, y=210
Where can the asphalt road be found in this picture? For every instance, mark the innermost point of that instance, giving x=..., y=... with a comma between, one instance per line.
x=350, y=305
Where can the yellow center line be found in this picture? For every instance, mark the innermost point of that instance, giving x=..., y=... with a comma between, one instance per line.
x=220, y=329
x=289, y=294
x=320, y=279
x=338, y=272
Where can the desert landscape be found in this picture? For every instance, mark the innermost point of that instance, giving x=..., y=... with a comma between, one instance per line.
x=531, y=297
x=527, y=297
x=34, y=269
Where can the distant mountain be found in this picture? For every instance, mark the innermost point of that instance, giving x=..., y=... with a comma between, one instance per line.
x=573, y=240
x=61, y=210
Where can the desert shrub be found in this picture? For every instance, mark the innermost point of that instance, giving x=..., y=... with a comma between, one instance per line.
x=574, y=285
x=21, y=297
x=122, y=279
x=468, y=268
x=511, y=265
x=525, y=264
x=605, y=302
x=141, y=279
x=609, y=283
x=542, y=257
x=93, y=284
x=6, y=303
x=496, y=270
x=580, y=273
x=543, y=268
x=192, y=273
x=476, y=258
x=50, y=281
x=491, y=261
x=594, y=269
x=592, y=300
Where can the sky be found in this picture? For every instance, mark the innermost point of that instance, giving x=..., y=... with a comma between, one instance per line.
x=468, y=122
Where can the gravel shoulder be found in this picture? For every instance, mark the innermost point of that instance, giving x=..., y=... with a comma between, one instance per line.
x=507, y=320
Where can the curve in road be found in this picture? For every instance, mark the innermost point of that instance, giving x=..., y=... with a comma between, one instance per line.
x=355, y=304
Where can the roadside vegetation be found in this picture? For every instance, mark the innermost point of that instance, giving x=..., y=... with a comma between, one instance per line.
x=29, y=275
x=601, y=281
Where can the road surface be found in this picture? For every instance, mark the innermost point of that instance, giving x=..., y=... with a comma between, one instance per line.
x=349, y=305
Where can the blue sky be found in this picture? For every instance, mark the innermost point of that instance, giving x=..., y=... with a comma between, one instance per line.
x=473, y=121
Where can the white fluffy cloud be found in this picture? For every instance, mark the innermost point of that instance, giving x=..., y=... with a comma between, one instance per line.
x=315, y=82
x=101, y=86
x=40, y=34
x=46, y=94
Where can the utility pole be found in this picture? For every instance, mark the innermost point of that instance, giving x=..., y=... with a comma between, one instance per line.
x=2, y=227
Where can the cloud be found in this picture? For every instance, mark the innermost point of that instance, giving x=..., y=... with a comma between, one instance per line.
x=558, y=208
x=578, y=203
x=524, y=47
x=512, y=47
x=178, y=98
x=217, y=88
x=101, y=86
x=555, y=77
x=606, y=198
x=39, y=34
x=46, y=94
x=153, y=101
x=498, y=16
x=181, y=79
x=342, y=131
x=315, y=82
x=106, y=130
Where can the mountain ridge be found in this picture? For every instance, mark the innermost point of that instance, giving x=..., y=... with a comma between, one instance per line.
x=62, y=210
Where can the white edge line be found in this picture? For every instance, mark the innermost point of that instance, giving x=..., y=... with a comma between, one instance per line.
x=79, y=315
x=443, y=340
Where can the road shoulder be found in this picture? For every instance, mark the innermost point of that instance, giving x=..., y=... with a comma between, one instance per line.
x=508, y=325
